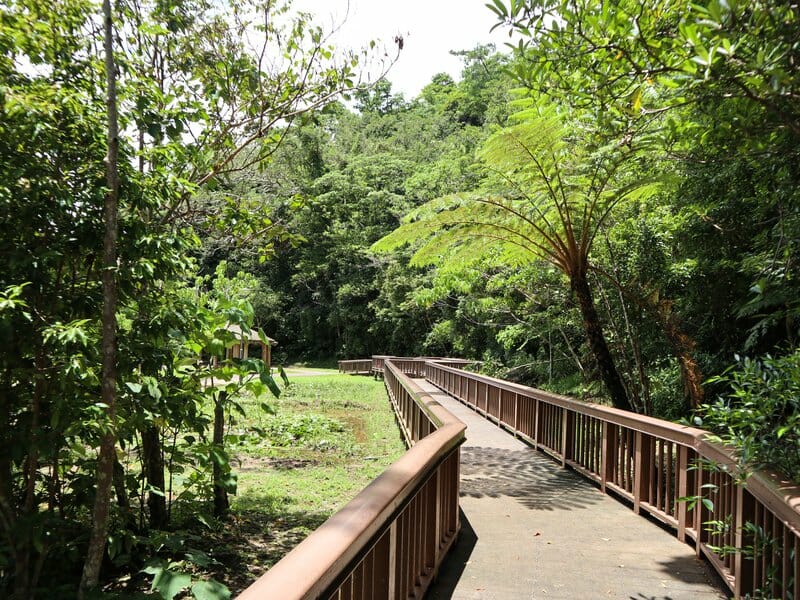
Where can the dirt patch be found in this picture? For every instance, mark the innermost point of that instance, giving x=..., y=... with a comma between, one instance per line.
x=255, y=465
x=255, y=541
x=356, y=426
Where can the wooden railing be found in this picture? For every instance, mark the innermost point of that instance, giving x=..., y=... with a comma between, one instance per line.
x=750, y=532
x=378, y=362
x=358, y=366
x=415, y=366
x=389, y=541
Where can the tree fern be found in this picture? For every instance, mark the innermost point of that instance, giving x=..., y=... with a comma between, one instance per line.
x=544, y=197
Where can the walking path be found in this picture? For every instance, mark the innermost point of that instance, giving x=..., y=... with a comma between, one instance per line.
x=532, y=530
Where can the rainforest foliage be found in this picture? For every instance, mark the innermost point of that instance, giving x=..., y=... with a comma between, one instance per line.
x=609, y=208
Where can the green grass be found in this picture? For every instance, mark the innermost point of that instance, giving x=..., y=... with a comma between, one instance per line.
x=329, y=436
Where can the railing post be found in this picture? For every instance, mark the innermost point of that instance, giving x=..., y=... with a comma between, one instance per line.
x=384, y=565
x=457, y=491
x=683, y=491
x=391, y=584
x=516, y=414
x=745, y=511
x=608, y=454
x=499, y=406
x=536, y=410
x=699, y=510
x=438, y=516
x=567, y=435
x=643, y=461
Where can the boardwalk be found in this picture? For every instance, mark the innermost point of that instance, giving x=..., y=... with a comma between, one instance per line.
x=534, y=530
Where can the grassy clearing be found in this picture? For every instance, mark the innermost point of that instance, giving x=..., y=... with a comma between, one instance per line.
x=329, y=436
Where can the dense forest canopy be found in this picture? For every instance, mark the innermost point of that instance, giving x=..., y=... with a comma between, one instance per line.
x=608, y=209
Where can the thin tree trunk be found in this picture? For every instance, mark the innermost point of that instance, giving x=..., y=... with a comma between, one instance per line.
x=119, y=486
x=105, y=463
x=121, y=492
x=153, y=462
x=597, y=342
x=681, y=343
x=221, y=504
x=683, y=350
x=629, y=367
x=573, y=354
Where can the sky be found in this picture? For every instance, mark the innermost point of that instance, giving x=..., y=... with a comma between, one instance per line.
x=430, y=29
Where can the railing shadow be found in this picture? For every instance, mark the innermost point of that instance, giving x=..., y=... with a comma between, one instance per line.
x=453, y=566
x=689, y=570
x=536, y=482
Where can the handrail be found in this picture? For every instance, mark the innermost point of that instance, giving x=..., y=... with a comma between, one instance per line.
x=659, y=467
x=389, y=541
x=415, y=365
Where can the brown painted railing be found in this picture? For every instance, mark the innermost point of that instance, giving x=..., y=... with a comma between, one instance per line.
x=378, y=362
x=358, y=366
x=389, y=541
x=657, y=465
x=415, y=366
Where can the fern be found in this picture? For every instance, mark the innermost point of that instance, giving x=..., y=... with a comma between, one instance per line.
x=543, y=198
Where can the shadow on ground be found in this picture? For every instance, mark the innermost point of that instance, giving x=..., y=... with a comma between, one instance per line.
x=535, y=481
x=689, y=570
x=454, y=564
x=261, y=530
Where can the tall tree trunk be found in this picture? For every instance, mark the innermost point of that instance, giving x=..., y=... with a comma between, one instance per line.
x=105, y=462
x=597, y=341
x=221, y=504
x=153, y=462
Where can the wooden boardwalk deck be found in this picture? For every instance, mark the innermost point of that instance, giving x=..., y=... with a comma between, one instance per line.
x=531, y=529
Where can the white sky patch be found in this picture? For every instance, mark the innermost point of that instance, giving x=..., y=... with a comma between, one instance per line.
x=430, y=29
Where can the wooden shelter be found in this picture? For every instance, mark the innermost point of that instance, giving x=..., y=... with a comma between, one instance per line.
x=250, y=345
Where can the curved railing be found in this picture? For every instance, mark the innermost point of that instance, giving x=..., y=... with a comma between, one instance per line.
x=750, y=532
x=415, y=366
x=389, y=541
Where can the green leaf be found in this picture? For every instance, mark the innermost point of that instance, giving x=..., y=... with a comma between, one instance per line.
x=498, y=8
x=168, y=583
x=283, y=375
x=210, y=590
x=153, y=389
x=155, y=566
x=708, y=504
x=219, y=457
x=134, y=387
x=267, y=380
x=263, y=337
x=199, y=558
x=230, y=482
x=204, y=520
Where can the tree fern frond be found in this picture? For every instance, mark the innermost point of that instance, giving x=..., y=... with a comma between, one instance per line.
x=543, y=198
x=435, y=206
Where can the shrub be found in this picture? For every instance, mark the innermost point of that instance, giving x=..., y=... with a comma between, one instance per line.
x=760, y=415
